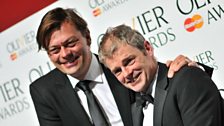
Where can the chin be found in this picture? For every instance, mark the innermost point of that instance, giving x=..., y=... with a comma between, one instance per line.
x=134, y=89
x=72, y=71
x=69, y=71
x=137, y=88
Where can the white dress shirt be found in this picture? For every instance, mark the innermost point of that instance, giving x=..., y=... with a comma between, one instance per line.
x=101, y=90
x=148, y=110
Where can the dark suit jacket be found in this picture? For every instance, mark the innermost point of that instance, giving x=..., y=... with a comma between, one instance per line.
x=190, y=98
x=57, y=104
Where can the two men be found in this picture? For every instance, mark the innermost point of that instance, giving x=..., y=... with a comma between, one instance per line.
x=58, y=101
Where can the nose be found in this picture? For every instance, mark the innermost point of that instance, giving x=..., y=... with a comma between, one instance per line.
x=127, y=73
x=65, y=52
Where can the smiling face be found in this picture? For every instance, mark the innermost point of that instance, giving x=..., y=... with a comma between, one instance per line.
x=69, y=50
x=133, y=68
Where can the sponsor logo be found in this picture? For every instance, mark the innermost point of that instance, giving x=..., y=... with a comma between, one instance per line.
x=22, y=45
x=193, y=23
x=101, y=6
x=211, y=15
x=97, y=12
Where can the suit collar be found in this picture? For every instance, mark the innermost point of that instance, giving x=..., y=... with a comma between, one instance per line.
x=69, y=96
x=121, y=95
x=162, y=76
x=160, y=94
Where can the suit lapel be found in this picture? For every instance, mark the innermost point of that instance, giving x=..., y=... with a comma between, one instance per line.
x=122, y=97
x=70, y=97
x=160, y=94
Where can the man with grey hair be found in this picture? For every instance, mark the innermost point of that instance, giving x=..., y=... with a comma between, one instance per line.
x=190, y=98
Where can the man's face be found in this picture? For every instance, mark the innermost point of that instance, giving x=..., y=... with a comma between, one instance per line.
x=134, y=69
x=69, y=50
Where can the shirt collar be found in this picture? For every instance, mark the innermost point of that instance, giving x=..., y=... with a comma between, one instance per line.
x=152, y=86
x=94, y=73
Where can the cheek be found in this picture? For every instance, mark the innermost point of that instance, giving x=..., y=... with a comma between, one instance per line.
x=80, y=49
x=53, y=58
x=120, y=78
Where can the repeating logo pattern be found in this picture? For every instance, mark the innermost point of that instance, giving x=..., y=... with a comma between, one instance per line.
x=101, y=6
x=196, y=22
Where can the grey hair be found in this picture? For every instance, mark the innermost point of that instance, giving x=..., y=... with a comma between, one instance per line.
x=121, y=34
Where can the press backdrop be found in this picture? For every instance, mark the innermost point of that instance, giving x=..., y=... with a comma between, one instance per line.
x=194, y=28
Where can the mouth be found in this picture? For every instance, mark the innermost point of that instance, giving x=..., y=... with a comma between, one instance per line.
x=72, y=61
x=133, y=81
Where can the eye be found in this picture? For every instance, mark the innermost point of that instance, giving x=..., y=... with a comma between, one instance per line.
x=54, y=50
x=117, y=71
x=129, y=61
x=71, y=43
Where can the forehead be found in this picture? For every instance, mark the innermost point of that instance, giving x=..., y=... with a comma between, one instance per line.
x=68, y=27
x=111, y=45
x=66, y=30
x=121, y=53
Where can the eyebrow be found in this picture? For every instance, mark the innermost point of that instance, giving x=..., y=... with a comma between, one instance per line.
x=115, y=69
x=128, y=58
x=64, y=42
x=124, y=62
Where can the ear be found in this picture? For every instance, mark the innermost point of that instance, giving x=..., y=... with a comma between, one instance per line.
x=148, y=48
